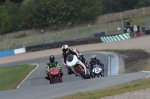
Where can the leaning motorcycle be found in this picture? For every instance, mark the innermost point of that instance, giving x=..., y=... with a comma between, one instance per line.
x=77, y=66
x=97, y=71
x=55, y=76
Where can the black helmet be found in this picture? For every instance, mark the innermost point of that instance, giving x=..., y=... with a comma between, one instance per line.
x=52, y=58
x=93, y=57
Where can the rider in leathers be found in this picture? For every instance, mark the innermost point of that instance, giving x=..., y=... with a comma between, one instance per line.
x=50, y=64
x=94, y=61
x=83, y=59
x=66, y=52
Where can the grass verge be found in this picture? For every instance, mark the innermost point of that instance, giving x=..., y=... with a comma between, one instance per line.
x=10, y=77
x=119, y=89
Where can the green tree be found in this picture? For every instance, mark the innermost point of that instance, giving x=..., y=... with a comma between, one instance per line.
x=110, y=6
x=17, y=1
x=143, y=3
x=5, y=25
x=67, y=12
x=87, y=9
x=33, y=16
x=43, y=13
x=56, y=12
x=10, y=17
x=2, y=2
x=127, y=5
x=15, y=14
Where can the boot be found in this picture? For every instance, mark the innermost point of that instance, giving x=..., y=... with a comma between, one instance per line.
x=61, y=73
x=69, y=71
x=47, y=77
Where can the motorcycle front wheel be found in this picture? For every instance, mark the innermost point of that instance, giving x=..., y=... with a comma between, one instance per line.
x=51, y=80
x=81, y=72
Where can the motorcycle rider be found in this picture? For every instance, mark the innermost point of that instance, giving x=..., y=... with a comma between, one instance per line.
x=66, y=51
x=94, y=61
x=83, y=59
x=52, y=63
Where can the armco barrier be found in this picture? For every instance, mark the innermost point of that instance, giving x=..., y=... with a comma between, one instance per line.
x=20, y=50
x=7, y=53
x=59, y=44
x=114, y=38
x=12, y=52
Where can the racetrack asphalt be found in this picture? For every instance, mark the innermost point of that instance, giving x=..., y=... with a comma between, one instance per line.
x=36, y=87
x=57, y=90
x=67, y=88
x=37, y=77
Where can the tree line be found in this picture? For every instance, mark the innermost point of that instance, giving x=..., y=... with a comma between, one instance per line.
x=110, y=6
x=18, y=15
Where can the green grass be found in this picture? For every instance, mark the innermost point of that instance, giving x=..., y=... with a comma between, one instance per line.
x=22, y=35
x=119, y=89
x=147, y=68
x=11, y=77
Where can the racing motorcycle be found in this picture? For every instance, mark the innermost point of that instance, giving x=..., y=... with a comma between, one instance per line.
x=55, y=76
x=77, y=66
x=97, y=71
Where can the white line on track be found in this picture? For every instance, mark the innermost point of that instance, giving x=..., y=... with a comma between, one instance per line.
x=146, y=71
x=28, y=74
x=113, y=65
x=147, y=77
x=108, y=62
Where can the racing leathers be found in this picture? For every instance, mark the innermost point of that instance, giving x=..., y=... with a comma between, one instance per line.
x=50, y=65
x=84, y=60
x=64, y=57
x=74, y=52
x=81, y=57
x=93, y=62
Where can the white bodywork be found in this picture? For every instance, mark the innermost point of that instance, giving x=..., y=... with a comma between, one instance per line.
x=97, y=69
x=74, y=62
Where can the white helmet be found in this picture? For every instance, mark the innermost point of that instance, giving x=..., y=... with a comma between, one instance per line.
x=93, y=57
x=65, y=48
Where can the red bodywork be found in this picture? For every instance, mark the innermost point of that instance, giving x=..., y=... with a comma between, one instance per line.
x=81, y=68
x=55, y=75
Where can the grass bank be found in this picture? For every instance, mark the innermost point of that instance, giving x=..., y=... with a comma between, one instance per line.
x=11, y=77
x=119, y=89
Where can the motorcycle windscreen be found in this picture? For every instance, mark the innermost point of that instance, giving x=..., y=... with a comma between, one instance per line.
x=97, y=69
x=73, y=61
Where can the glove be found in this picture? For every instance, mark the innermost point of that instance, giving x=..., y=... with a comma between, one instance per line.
x=79, y=57
x=66, y=65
